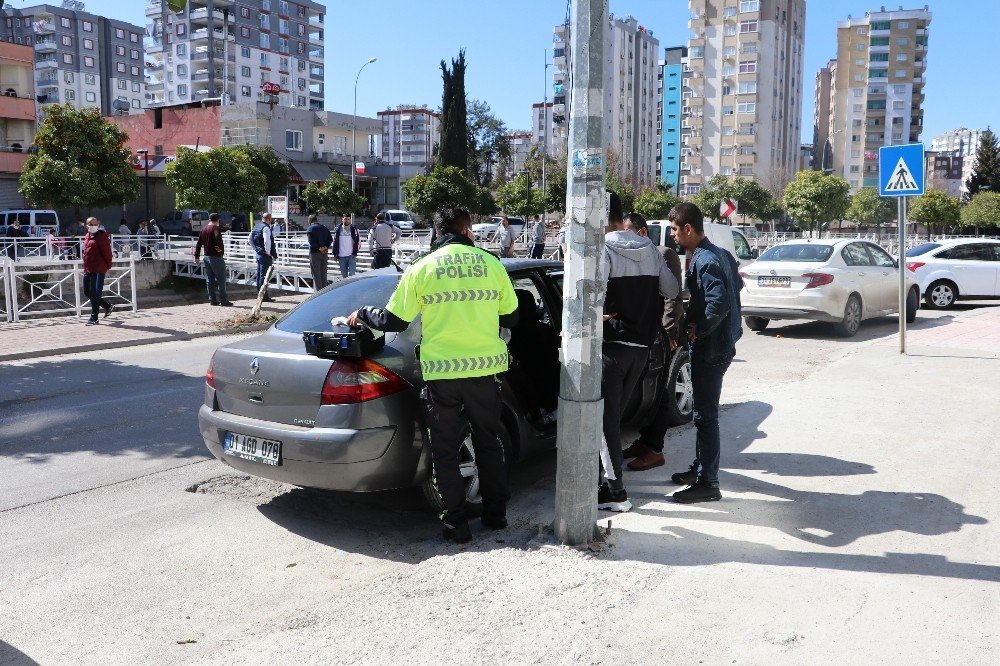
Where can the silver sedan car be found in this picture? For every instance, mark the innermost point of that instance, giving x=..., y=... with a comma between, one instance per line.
x=273, y=410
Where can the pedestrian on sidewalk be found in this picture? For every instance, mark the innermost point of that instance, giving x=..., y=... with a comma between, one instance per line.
x=14, y=231
x=214, y=263
x=262, y=240
x=712, y=326
x=320, y=241
x=97, y=259
x=505, y=237
x=346, y=242
x=380, y=240
x=648, y=449
x=538, y=238
x=637, y=281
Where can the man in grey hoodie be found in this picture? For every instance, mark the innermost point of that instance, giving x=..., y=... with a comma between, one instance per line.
x=637, y=279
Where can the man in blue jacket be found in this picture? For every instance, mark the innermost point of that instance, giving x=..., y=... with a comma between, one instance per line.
x=262, y=240
x=320, y=241
x=713, y=327
x=346, y=242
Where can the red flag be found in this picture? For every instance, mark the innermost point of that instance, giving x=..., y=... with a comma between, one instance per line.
x=359, y=167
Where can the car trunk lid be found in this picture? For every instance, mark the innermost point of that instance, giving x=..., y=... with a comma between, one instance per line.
x=779, y=279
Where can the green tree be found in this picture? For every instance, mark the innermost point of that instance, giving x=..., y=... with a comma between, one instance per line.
x=868, y=208
x=753, y=200
x=935, y=209
x=613, y=183
x=711, y=195
x=983, y=210
x=276, y=170
x=654, y=203
x=454, y=149
x=426, y=194
x=176, y=5
x=518, y=197
x=483, y=203
x=555, y=190
x=82, y=162
x=489, y=143
x=221, y=179
x=986, y=168
x=813, y=199
x=333, y=196
x=533, y=164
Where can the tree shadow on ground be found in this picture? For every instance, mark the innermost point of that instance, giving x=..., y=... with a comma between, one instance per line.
x=11, y=656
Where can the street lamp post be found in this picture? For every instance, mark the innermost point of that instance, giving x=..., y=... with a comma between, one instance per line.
x=145, y=162
x=545, y=116
x=354, y=129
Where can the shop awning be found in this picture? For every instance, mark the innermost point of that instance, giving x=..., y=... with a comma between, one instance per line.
x=310, y=172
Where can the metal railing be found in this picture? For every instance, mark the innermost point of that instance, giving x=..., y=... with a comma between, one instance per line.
x=36, y=290
x=35, y=249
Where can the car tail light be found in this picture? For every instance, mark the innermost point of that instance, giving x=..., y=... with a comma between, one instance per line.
x=353, y=381
x=210, y=373
x=817, y=279
x=912, y=266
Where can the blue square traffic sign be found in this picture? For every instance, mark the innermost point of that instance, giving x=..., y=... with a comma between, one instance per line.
x=901, y=170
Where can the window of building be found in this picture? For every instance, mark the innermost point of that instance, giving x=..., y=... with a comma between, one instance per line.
x=284, y=82
x=302, y=84
x=120, y=33
x=67, y=41
x=750, y=6
x=878, y=57
x=899, y=88
x=697, y=52
x=122, y=68
x=134, y=71
x=245, y=32
x=862, y=31
x=182, y=90
x=746, y=87
x=859, y=47
x=727, y=131
x=181, y=29
x=245, y=71
x=903, y=25
x=265, y=21
x=283, y=26
x=747, y=49
x=88, y=44
x=747, y=107
x=283, y=7
x=730, y=30
x=301, y=29
x=900, y=73
x=68, y=77
x=90, y=97
x=878, y=41
x=901, y=57
x=897, y=136
x=70, y=94
x=245, y=12
x=265, y=60
x=182, y=49
x=265, y=40
x=729, y=12
x=245, y=91
x=727, y=150
x=122, y=84
x=90, y=79
x=283, y=44
x=136, y=86
x=182, y=70
x=728, y=70
x=727, y=171
x=748, y=66
x=245, y=51
x=120, y=50
x=65, y=22
x=898, y=106
x=878, y=73
x=748, y=26
x=902, y=41
x=293, y=139
x=133, y=37
x=859, y=77
x=301, y=64
x=136, y=104
x=727, y=90
x=67, y=58
x=88, y=61
x=727, y=110
x=857, y=92
x=134, y=54
x=302, y=100
x=87, y=26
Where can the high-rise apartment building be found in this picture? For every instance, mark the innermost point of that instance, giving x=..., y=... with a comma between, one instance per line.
x=822, y=151
x=81, y=58
x=671, y=127
x=246, y=43
x=743, y=99
x=17, y=118
x=409, y=134
x=521, y=144
x=877, y=90
x=631, y=95
x=962, y=142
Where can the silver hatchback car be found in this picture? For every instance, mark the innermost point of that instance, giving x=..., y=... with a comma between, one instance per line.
x=273, y=410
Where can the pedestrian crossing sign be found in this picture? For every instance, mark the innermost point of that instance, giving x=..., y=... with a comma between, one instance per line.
x=901, y=170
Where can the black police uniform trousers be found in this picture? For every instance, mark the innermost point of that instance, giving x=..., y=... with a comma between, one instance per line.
x=452, y=407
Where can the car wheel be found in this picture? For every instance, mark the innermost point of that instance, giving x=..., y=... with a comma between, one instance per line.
x=470, y=476
x=851, y=322
x=941, y=295
x=757, y=324
x=679, y=387
x=912, y=303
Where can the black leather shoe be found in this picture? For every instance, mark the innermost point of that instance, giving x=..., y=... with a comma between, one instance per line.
x=688, y=478
x=494, y=522
x=699, y=492
x=459, y=533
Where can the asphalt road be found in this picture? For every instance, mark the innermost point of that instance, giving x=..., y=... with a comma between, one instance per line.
x=122, y=540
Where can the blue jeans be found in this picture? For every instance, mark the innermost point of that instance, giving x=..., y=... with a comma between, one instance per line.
x=263, y=263
x=348, y=266
x=706, y=385
x=215, y=277
x=93, y=286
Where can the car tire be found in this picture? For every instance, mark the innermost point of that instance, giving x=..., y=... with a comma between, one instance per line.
x=470, y=473
x=941, y=295
x=912, y=304
x=849, y=325
x=757, y=324
x=681, y=408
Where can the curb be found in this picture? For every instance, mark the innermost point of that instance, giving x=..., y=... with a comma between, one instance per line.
x=42, y=353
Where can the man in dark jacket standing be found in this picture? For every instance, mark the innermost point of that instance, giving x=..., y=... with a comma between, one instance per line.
x=262, y=239
x=14, y=231
x=713, y=327
x=214, y=263
x=346, y=242
x=320, y=241
x=648, y=449
x=637, y=279
x=97, y=258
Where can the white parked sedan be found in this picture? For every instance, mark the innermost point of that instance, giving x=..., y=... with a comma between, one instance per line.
x=841, y=282
x=959, y=268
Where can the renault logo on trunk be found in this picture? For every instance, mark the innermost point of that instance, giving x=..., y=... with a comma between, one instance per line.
x=254, y=366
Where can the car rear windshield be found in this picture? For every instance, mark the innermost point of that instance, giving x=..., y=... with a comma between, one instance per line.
x=922, y=249
x=805, y=252
x=315, y=313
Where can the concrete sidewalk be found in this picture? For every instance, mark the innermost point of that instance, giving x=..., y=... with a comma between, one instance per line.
x=33, y=338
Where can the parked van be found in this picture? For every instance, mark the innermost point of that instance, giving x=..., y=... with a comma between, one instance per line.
x=33, y=222
x=722, y=235
x=187, y=221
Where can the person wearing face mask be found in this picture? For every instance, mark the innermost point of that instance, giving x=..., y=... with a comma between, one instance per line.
x=96, y=262
x=463, y=296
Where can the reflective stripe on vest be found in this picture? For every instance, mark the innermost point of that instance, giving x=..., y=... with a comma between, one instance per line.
x=464, y=295
x=465, y=364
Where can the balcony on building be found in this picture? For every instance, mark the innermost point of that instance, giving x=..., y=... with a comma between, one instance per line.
x=697, y=23
x=315, y=17
x=201, y=35
x=200, y=16
x=153, y=8
x=49, y=96
x=45, y=64
x=43, y=24
x=315, y=36
x=200, y=53
x=46, y=45
x=559, y=57
x=316, y=53
x=316, y=72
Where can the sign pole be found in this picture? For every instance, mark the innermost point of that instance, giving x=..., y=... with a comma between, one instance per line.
x=902, y=274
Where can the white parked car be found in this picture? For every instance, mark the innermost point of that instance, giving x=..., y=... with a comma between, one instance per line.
x=955, y=269
x=485, y=231
x=723, y=235
x=841, y=282
x=399, y=218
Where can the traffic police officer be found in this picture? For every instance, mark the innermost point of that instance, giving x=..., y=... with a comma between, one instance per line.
x=464, y=296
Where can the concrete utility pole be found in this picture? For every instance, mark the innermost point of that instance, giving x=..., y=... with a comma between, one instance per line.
x=581, y=407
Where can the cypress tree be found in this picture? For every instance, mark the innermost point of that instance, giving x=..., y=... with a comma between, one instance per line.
x=454, y=120
x=986, y=170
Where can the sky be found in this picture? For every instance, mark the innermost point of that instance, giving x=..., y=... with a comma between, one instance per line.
x=506, y=41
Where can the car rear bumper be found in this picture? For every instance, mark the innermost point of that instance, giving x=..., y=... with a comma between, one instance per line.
x=790, y=313
x=359, y=460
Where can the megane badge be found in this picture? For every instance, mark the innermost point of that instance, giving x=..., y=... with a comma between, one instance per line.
x=254, y=366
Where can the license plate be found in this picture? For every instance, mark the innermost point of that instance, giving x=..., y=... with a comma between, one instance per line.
x=265, y=451
x=772, y=281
